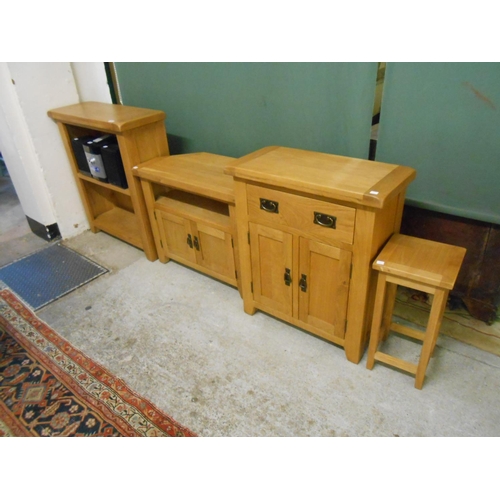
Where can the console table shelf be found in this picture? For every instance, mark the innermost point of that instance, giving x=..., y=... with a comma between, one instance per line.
x=196, y=208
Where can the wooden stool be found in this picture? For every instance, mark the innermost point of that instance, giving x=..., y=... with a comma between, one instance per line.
x=419, y=264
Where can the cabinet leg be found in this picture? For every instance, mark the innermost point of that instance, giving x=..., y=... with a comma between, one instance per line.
x=354, y=356
x=249, y=309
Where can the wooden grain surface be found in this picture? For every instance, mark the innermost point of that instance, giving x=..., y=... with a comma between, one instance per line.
x=425, y=261
x=199, y=173
x=352, y=180
x=113, y=118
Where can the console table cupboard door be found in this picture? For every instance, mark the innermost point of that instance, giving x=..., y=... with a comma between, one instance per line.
x=214, y=250
x=323, y=286
x=176, y=237
x=272, y=255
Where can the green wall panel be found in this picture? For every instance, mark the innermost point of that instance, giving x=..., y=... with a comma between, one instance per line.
x=235, y=108
x=443, y=119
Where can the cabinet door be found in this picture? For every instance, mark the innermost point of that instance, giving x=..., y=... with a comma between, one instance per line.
x=176, y=236
x=323, y=286
x=214, y=250
x=272, y=253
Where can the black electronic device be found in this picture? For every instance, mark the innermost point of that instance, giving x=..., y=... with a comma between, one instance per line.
x=113, y=165
x=93, y=150
x=81, y=159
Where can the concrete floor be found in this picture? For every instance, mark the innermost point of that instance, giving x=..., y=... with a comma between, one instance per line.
x=182, y=340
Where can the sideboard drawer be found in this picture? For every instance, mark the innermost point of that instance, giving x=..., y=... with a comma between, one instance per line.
x=318, y=218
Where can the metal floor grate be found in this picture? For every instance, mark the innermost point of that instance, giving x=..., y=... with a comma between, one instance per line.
x=47, y=275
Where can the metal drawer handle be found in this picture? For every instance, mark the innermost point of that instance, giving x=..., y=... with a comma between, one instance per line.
x=325, y=220
x=196, y=243
x=269, y=205
x=189, y=241
x=288, y=277
x=303, y=283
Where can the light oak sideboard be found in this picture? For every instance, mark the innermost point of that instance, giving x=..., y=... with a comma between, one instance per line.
x=309, y=226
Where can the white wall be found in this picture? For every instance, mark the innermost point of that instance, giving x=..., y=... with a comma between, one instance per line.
x=30, y=141
x=19, y=153
x=91, y=81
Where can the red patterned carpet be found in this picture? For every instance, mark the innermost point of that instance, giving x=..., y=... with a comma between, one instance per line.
x=49, y=388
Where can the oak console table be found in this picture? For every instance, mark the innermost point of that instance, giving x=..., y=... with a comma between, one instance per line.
x=190, y=202
x=309, y=226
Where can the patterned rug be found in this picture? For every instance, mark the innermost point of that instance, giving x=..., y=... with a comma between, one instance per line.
x=49, y=388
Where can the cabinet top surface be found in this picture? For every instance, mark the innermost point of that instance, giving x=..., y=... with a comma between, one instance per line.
x=199, y=173
x=108, y=117
x=358, y=181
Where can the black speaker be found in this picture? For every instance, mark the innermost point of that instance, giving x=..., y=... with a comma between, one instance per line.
x=113, y=165
x=81, y=159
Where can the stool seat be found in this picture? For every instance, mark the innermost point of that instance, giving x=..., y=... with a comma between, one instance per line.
x=425, y=261
x=420, y=264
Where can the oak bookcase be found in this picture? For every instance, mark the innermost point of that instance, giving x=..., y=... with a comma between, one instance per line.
x=141, y=136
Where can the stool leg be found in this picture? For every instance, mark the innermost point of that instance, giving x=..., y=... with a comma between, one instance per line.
x=431, y=334
x=390, y=299
x=377, y=320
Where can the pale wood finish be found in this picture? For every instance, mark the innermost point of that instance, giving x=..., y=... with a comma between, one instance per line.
x=196, y=208
x=341, y=178
x=323, y=301
x=320, y=304
x=272, y=255
x=243, y=235
x=376, y=334
x=366, y=198
x=427, y=262
x=99, y=200
x=190, y=202
x=409, y=332
x=431, y=334
x=209, y=249
x=423, y=265
x=215, y=253
x=199, y=173
x=112, y=118
x=298, y=212
x=149, y=199
x=396, y=362
x=141, y=136
x=234, y=231
x=133, y=151
x=110, y=187
x=390, y=294
x=120, y=223
x=174, y=231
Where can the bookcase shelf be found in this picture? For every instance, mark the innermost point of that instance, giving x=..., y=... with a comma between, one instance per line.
x=112, y=187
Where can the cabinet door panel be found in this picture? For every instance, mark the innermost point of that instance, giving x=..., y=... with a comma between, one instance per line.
x=323, y=297
x=174, y=233
x=271, y=254
x=215, y=250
